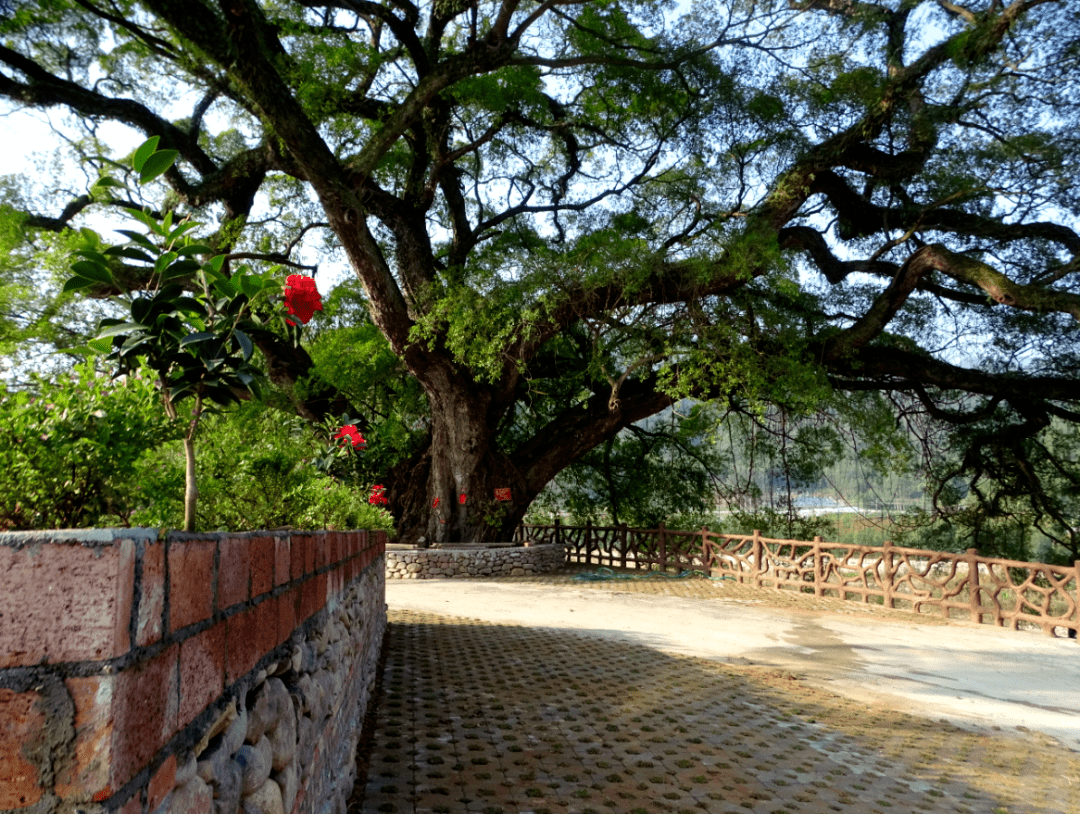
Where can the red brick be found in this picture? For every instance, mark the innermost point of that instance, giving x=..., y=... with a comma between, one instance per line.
x=281, y=560
x=152, y=595
x=251, y=635
x=262, y=565
x=191, y=582
x=266, y=618
x=161, y=783
x=234, y=568
x=202, y=672
x=287, y=614
x=144, y=713
x=65, y=602
x=312, y=597
x=296, y=541
x=21, y=724
x=322, y=548
x=93, y=701
x=309, y=553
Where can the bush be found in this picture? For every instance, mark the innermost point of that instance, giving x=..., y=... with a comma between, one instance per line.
x=69, y=446
x=254, y=471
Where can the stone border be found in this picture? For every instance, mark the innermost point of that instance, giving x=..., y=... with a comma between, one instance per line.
x=443, y=563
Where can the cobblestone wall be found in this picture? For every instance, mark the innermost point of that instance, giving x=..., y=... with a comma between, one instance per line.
x=201, y=674
x=474, y=562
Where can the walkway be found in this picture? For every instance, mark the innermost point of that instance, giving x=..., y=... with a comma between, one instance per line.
x=495, y=717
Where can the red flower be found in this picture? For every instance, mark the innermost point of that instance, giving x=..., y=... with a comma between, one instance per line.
x=350, y=434
x=461, y=499
x=377, y=497
x=301, y=298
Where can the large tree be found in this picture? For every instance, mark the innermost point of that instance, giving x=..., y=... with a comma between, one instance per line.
x=567, y=214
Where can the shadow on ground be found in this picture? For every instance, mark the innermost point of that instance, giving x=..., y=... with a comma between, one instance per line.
x=506, y=719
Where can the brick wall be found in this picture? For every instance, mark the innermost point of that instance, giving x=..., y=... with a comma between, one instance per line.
x=149, y=675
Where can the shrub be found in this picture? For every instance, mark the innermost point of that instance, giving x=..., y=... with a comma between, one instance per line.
x=254, y=472
x=69, y=445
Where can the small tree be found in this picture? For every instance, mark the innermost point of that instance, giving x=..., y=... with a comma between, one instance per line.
x=192, y=321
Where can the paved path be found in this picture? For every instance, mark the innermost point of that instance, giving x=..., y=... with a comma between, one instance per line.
x=695, y=695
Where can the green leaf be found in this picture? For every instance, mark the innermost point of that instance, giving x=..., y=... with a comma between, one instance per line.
x=181, y=230
x=120, y=329
x=189, y=305
x=201, y=336
x=141, y=308
x=223, y=285
x=129, y=253
x=148, y=221
x=194, y=248
x=145, y=150
x=163, y=262
x=251, y=284
x=92, y=271
x=107, y=181
x=138, y=237
x=246, y=346
x=157, y=164
x=75, y=283
x=181, y=268
x=214, y=264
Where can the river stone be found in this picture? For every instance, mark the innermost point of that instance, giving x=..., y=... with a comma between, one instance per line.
x=193, y=797
x=227, y=788
x=306, y=691
x=288, y=779
x=265, y=800
x=185, y=770
x=280, y=705
x=259, y=716
x=234, y=735
x=255, y=761
x=212, y=764
x=283, y=740
x=307, y=735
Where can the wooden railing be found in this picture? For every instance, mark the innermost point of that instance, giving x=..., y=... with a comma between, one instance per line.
x=983, y=589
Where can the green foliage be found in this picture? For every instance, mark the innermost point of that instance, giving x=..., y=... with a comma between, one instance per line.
x=254, y=467
x=660, y=471
x=780, y=524
x=69, y=445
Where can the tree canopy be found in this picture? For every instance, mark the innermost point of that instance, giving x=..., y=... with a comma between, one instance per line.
x=567, y=215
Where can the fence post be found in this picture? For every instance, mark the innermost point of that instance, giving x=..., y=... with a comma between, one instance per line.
x=819, y=576
x=558, y=537
x=973, y=585
x=706, y=563
x=758, y=570
x=1076, y=586
x=886, y=576
x=588, y=542
x=663, y=549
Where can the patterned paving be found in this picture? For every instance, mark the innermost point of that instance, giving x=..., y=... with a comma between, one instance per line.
x=504, y=719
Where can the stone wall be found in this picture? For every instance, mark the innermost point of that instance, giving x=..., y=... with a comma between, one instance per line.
x=440, y=563
x=199, y=674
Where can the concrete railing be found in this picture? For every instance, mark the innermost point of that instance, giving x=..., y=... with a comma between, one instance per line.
x=961, y=586
x=196, y=673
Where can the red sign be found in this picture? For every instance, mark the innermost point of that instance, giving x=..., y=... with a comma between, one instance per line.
x=502, y=494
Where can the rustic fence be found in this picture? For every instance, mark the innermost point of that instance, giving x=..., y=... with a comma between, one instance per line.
x=983, y=589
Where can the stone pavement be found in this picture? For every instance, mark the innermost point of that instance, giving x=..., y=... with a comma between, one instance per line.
x=509, y=719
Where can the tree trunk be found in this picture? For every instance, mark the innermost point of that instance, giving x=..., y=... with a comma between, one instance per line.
x=455, y=490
